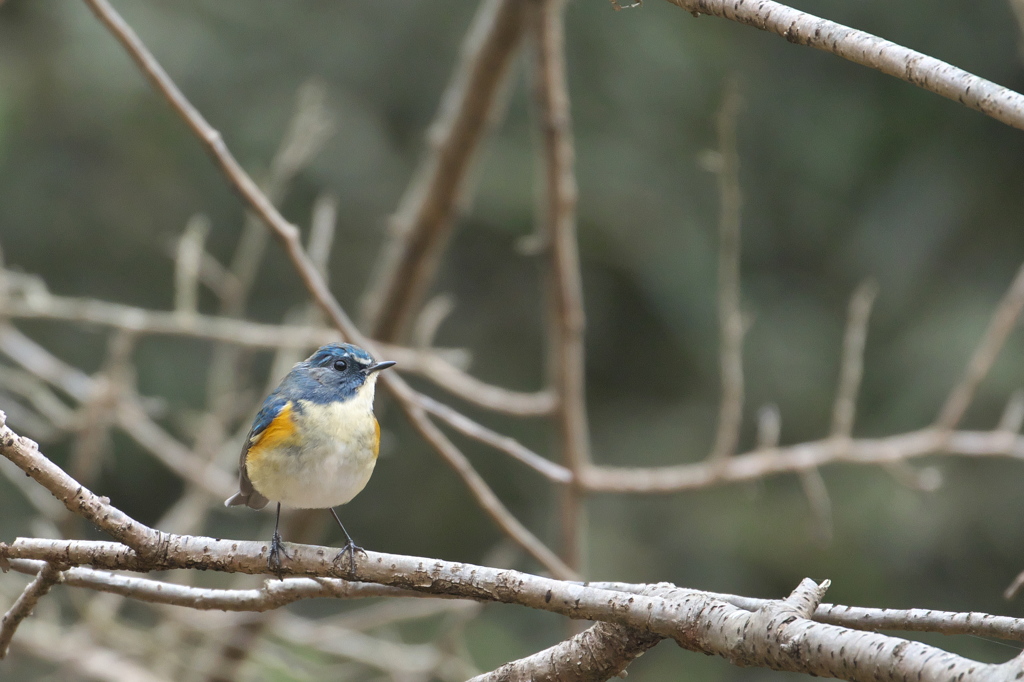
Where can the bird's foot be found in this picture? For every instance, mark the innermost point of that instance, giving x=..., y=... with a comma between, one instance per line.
x=277, y=550
x=350, y=548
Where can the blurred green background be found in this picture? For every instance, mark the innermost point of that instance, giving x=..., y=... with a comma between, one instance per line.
x=847, y=174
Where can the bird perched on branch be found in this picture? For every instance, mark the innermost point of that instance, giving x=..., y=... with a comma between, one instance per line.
x=314, y=442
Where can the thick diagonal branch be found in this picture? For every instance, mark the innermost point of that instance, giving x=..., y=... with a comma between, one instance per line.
x=868, y=50
x=566, y=356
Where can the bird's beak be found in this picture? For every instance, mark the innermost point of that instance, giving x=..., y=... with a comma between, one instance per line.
x=379, y=366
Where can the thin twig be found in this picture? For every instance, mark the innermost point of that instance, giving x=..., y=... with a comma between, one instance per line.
x=39, y=396
x=486, y=498
x=865, y=618
x=431, y=317
x=321, y=232
x=308, y=129
x=852, y=364
x=794, y=458
x=868, y=50
x=906, y=620
x=273, y=594
x=1004, y=319
x=566, y=322
x=600, y=652
x=769, y=427
x=434, y=366
x=1013, y=414
x=187, y=265
x=427, y=211
x=730, y=315
x=47, y=577
x=820, y=502
x=468, y=427
x=156, y=322
x=1014, y=587
x=34, y=358
x=431, y=363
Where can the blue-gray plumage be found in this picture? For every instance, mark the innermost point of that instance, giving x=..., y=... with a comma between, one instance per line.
x=314, y=442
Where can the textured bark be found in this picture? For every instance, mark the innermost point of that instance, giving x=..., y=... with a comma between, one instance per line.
x=596, y=654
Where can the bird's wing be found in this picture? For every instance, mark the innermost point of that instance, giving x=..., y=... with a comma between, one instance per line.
x=273, y=423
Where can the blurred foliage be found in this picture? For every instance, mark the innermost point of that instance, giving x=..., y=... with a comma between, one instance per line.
x=846, y=173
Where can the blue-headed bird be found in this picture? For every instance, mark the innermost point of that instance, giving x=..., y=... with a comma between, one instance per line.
x=314, y=442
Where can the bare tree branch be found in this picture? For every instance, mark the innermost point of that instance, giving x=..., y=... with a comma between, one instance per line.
x=274, y=593
x=430, y=363
x=776, y=635
x=566, y=322
x=730, y=314
x=862, y=618
x=1004, y=319
x=187, y=265
x=463, y=385
x=767, y=637
x=851, y=367
x=820, y=502
x=47, y=577
x=865, y=49
x=464, y=425
x=600, y=652
x=810, y=455
x=486, y=498
x=907, y=620
x=1014, y=587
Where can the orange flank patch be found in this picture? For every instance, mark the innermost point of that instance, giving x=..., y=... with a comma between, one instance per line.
x=376, y=438
x=278, y=432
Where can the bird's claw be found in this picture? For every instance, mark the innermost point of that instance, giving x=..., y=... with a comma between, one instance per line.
x=350, y=548
x=277, y=550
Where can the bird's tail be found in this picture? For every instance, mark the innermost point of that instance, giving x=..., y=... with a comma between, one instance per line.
x=250, y=499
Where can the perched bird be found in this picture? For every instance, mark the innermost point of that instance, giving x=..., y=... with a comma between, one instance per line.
x=314, y=442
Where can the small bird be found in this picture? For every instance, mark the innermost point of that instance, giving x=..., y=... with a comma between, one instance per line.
x=314, y=442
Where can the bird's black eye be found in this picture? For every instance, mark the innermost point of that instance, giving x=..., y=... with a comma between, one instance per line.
x=340, y=365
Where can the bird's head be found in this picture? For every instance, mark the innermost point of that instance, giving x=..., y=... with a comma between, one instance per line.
x=343, y=368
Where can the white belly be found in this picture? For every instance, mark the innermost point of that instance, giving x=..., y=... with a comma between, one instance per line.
x=330, y=468
x=317, y=478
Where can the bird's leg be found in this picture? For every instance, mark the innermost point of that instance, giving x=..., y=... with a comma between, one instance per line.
x=277, y=547
x=350, y=547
